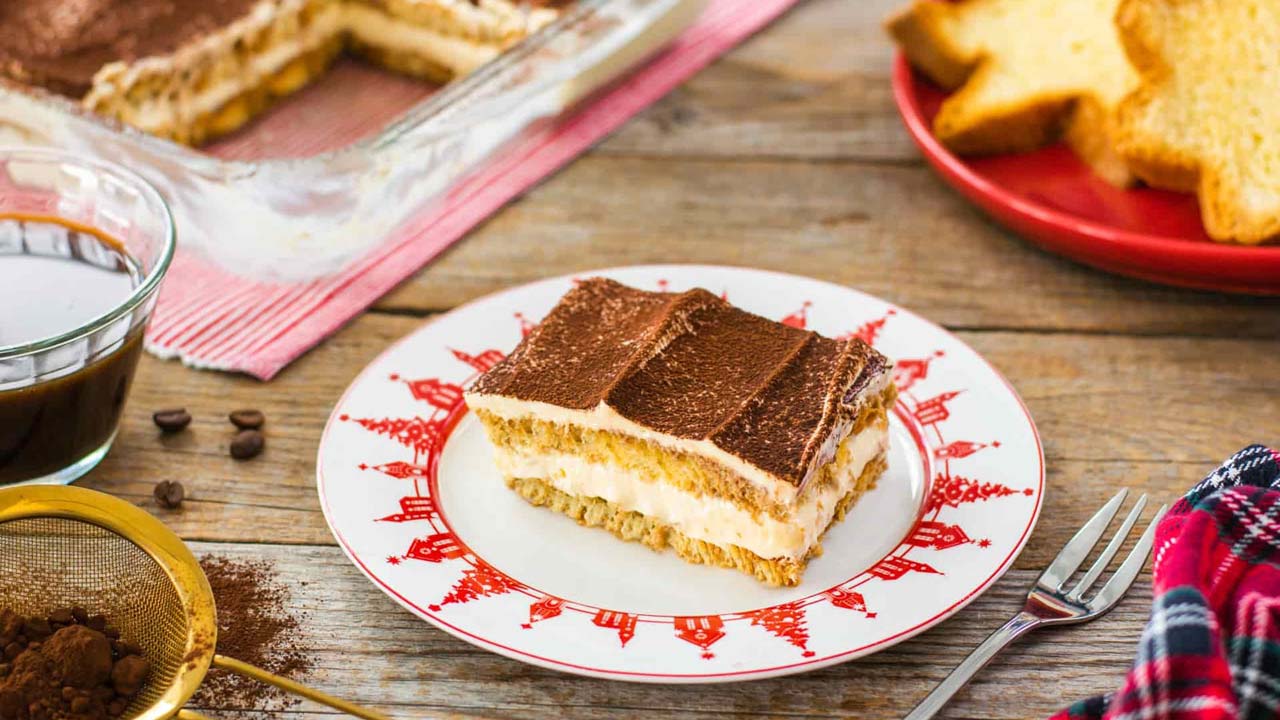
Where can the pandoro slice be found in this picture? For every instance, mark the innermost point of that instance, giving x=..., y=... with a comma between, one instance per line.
x=1025, y=73
x=1206, y=114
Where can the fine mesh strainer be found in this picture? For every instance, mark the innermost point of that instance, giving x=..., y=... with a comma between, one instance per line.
x=67, y=546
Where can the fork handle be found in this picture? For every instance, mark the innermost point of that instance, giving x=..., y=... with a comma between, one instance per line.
x=1017, y=626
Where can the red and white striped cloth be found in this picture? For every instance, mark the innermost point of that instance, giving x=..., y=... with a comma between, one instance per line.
x=211, y=318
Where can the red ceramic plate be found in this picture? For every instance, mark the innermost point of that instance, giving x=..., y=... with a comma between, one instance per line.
x=1051, y=198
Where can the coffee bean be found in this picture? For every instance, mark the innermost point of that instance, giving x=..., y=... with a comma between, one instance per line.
x=247, y=444
x=169, y=494
x=247, y=419
x=172, y=420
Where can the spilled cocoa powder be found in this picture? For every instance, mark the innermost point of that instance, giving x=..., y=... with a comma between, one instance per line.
x=256, y=624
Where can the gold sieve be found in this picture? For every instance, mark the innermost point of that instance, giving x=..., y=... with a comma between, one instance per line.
x=67, y=546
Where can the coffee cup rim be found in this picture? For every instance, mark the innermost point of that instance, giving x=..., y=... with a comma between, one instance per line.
x=143, y=290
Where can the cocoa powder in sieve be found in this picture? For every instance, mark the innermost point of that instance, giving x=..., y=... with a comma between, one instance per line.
x=256, y=625
x=68, y=665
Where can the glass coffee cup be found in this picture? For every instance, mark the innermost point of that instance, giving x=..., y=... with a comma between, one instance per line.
x=83, y=248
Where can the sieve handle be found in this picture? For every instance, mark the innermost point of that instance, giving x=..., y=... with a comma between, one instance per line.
x=289, y=686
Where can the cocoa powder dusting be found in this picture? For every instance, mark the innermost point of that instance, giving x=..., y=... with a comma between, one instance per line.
x=257, y=625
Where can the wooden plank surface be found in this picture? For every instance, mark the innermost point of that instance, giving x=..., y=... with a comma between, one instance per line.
x=893, y=231
x=786, y=155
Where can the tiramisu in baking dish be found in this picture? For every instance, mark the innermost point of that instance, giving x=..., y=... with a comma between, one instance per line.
x=677, y=420
x=191, y=70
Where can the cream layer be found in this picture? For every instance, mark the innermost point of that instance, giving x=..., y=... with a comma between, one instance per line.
x=457, y=49
x=603, y=417
x=378, y=29
x=711, y=519
x=483, y=19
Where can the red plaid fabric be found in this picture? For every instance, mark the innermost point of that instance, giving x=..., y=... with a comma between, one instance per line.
x=1212, y=646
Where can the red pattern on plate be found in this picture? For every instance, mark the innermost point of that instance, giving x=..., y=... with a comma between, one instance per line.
x=961, y=449
x=426, y=436
x=412, y=508
x=702, y=630
x=934, y=410
x=479, y=580
x=785, y=621
x=952, y=490
x=543, y=609
x=907, y=373
x=870, y=330
x=436, y=548
x=624, y=623
x=937, y=535
x=799, y=318
x=847, y=599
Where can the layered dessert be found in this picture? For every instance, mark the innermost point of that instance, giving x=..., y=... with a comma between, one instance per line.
x=679, y=421
x=191, y=70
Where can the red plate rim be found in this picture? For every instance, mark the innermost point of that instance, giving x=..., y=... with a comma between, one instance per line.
x=959, y=173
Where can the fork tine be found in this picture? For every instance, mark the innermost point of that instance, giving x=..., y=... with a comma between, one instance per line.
x=1078, y=547
x=1119, y=583
x=1109, y=552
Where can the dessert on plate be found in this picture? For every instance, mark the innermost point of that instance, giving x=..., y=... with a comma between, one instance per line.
x=677, y=420
x=191, y=70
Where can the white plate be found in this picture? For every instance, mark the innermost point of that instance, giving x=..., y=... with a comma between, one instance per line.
x=408, y=486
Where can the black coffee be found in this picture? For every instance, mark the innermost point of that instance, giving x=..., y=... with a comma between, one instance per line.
x=55, y=277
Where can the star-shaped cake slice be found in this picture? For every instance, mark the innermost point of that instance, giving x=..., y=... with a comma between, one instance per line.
x=1025, y=72
x=1206, y=114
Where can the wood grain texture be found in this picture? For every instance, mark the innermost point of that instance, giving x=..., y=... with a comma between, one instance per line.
x=373, y=652
x=813, y=87
x=893, y=231
x=785, y=155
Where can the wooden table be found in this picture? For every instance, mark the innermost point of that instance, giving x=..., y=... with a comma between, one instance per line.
x=787, y=155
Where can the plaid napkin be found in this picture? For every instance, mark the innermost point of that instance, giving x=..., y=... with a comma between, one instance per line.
x=1212, y=646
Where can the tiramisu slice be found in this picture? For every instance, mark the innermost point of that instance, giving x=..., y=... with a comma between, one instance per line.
x=678, y=420
x=191, y=70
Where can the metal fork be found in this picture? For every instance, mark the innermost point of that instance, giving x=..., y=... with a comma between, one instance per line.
x=1052, y=602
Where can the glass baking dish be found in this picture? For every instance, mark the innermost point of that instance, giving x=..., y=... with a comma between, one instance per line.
x=329, y=173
